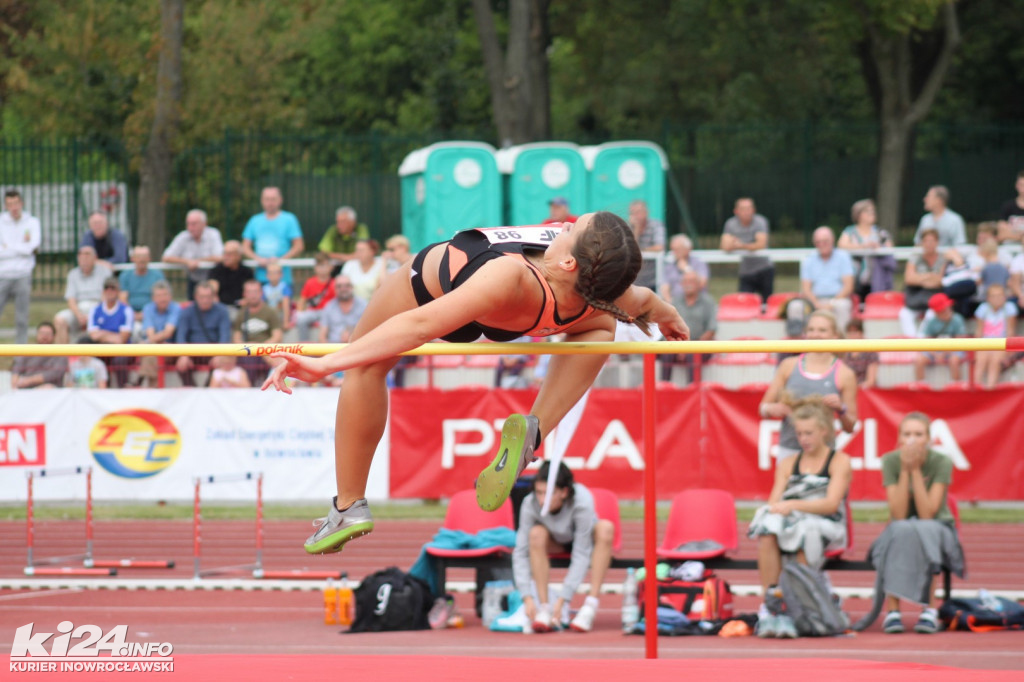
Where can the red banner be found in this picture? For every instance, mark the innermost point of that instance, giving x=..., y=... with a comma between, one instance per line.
x=707, y=437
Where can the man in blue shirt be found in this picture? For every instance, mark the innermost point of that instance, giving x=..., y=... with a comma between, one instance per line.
x=110, y=243
x=207, y=321
x=826, y=277
x=272, y=235
x=111, y=322
x=948, y=222
x=137, y=283
x=159, y=324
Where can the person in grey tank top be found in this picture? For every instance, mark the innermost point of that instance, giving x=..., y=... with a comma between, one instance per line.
x=811, y=374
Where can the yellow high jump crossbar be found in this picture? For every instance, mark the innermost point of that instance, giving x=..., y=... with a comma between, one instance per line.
x=561, y=348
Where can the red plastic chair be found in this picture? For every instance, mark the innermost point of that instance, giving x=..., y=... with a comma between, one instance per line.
x=775, y=303
x=464, y=514
x=700, y=514
x=739, y=306
x=883, y=305
x=606, y=504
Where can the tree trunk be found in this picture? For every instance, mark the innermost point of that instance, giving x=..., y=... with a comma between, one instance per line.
x=518, y=75
x=155, y=173
x=889, y=64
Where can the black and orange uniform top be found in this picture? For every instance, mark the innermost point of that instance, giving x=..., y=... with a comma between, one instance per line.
x=468, y=251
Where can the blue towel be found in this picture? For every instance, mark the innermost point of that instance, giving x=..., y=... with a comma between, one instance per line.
x=426, y=565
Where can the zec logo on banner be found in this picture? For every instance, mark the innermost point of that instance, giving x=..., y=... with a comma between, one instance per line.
x=135, y=443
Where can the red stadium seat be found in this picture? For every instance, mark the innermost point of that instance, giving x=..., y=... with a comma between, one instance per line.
x=882, y=305
x=696, y=515
x=464, y=514
x=774, y=305
x=739, y=306
x=757, y=358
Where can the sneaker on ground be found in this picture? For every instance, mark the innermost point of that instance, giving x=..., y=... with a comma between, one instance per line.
x=518, y=438
x=338, y=527
x=767, y=627
x=542, y=621
x=785, y=628
x=584, y=620
x=893, y=623
x=928, y=623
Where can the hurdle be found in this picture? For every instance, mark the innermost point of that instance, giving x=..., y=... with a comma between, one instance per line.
x=256, y=567
x=91, y=567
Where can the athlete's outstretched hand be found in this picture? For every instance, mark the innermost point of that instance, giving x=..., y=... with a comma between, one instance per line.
x=299, y=367
x=674, y=329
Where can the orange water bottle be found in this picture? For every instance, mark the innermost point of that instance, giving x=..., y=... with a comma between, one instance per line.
x=330, y=604
x=346, y=604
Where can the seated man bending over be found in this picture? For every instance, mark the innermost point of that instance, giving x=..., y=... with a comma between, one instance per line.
x=571, y=525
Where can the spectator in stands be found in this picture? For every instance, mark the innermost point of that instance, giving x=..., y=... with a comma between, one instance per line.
x=83, y=292
x=863, y=363
x=747, y=231
x=366, y=270
x=196, y=247
x=256, y=322
x=1016, y=281
x=278, y=294
x=20, y=236
x=700, y=312
x=205, y=322
x=109, y=242
x=806, y=511
x=570, y=526
x=679, y=261
x=819, y=373
x=946, y=324
x=86, y=372
x=559, y=213
x=39, y=372
x=916, y=480
x=159, y=323
x=396, y=252
x=650, y=235
x=231, y=275
x=996, y=318
x=946, y=221
x=272, y=235
x=339, y=317
x=339, y=241
x=923, y=279
x=987, y=263
x=871, y=273
x=316, y=293
x=111, y=322
x=1011, y=223
x=227, y=374
x=826, y=277
x=509, y=372
x=137, y=283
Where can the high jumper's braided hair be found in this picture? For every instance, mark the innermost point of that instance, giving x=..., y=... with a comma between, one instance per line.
x=609, y=260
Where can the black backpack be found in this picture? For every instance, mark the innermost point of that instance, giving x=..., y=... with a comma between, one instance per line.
x=982, y=615
x=809, y=602
x=391, y=599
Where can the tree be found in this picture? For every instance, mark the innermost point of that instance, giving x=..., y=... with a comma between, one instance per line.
x=518, y=76
x=158, y=161
x=906, y=53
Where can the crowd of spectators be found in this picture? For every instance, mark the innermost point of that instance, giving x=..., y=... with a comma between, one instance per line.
x=950, y=289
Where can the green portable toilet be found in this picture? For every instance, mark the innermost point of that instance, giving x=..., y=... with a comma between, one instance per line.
x=447, y=187
x=622, y=172
x=536, y=173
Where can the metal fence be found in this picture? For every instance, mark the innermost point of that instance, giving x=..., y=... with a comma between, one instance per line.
x=801, y=175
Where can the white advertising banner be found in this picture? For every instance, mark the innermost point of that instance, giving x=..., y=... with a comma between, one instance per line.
x=149, y=445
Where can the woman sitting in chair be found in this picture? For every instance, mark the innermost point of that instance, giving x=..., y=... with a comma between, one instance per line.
x=570, y=526
x=921, y=535
x=806, y=511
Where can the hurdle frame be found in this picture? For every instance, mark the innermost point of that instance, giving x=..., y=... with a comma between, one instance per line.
x=91, y=567
x=258, y=571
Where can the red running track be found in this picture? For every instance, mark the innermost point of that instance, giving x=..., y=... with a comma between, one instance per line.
x=231, y=627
